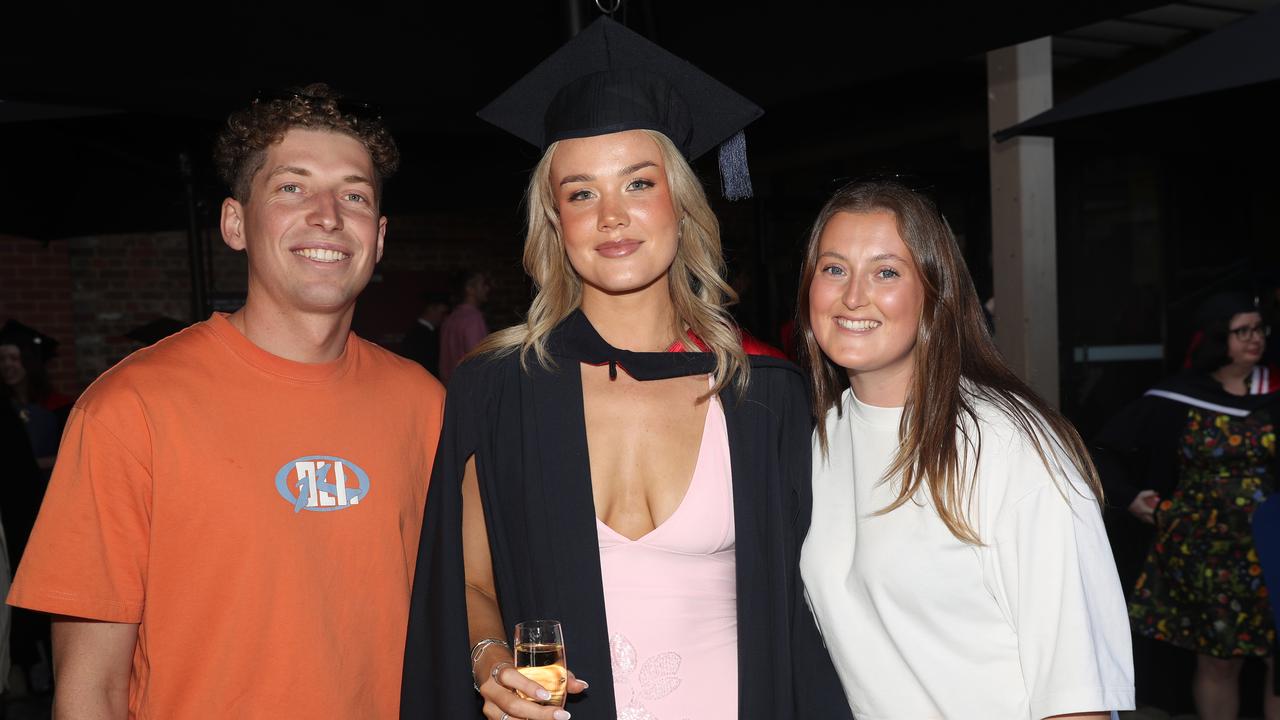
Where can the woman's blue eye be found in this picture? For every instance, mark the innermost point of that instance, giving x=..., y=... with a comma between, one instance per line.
x=887, y=273
x=833, y=270
x=579, y=195
x=640, y=184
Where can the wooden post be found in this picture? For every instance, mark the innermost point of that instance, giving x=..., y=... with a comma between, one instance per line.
x=1023, y=242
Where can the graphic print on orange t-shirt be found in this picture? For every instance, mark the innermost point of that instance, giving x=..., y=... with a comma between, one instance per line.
x=306, y=484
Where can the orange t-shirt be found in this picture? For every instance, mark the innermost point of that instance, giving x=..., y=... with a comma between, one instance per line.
x=258, y=517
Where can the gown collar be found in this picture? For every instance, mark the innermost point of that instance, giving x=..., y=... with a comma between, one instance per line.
x=576, y=339
x=1202, y=391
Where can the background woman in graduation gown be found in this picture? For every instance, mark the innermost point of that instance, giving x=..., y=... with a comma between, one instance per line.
x=618, y=462
x=956, y=560
x=1194, y=457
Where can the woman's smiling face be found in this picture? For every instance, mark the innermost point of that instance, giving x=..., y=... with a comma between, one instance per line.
x=865, y=302
x=617, y=217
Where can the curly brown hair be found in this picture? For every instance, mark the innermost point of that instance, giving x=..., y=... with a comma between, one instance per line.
x=241, y=148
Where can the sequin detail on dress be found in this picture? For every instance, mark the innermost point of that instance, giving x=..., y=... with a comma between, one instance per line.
x=658, y=677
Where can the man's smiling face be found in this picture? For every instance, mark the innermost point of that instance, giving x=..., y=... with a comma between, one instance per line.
x=311, y=226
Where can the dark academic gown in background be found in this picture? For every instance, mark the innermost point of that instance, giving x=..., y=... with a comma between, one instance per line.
x=526, y=429
x=24, y=486
x=1139, y=450
x=24, y=483
x=422, y=345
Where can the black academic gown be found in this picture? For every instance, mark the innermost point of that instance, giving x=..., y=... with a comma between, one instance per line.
x=24, y=483
x=1138, y=449
x=526, y=429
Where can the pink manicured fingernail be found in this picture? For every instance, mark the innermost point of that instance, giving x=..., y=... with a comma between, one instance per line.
x=585, y=684
x=544, y=694
x=561, y=715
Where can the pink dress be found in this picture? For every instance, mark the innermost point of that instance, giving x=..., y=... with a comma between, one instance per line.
x=671, y=599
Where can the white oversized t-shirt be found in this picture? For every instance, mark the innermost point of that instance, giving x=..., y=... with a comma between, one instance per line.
x=1031, y=624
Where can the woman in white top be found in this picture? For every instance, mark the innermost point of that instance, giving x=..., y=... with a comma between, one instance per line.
x=956, y=562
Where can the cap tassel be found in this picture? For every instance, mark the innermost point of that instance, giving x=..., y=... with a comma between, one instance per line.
x=735, y=176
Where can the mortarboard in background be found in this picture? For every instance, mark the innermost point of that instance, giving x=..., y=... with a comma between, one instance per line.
x=16, y=333
x=1216, y=311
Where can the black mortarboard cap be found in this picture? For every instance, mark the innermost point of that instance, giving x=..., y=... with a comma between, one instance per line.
x=609, y=79
x=1215, y=313
x=15, y=333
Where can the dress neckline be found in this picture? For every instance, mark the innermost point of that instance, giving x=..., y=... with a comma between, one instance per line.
x=704, y=446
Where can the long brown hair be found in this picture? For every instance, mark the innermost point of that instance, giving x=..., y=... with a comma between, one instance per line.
x=956, y=364
x=696, y=276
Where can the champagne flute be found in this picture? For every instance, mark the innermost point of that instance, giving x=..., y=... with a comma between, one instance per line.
x=540, y=657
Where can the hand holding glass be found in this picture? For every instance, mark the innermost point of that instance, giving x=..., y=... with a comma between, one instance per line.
x=540, y=657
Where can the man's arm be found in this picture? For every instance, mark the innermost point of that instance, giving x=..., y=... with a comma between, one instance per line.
x=91, y=665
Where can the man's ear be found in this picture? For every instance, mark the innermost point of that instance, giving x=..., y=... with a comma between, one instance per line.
x=232, y=223
x=382, y=233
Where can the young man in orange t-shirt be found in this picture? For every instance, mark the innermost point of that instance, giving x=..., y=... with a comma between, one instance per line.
x=233, y=520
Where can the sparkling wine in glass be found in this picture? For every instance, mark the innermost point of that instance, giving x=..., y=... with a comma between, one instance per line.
x=540, y=657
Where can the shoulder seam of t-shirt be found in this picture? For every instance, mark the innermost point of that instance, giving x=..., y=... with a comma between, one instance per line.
x=1048, y=485
x=1006, y=517
x=124, y=446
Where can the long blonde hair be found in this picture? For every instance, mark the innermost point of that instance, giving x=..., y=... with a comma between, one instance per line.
x=956, y=363
x=696, y=276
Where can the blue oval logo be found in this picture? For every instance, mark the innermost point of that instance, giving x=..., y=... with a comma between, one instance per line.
x=322, y=483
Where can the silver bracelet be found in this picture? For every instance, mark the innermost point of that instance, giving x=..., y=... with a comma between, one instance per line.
x=477, y=650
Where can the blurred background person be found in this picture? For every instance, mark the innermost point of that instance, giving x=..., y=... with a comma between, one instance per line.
x=24, y=351
x=25, y=386
x=17, y=512
x=422, y=341
x=465, y=327
x=1193, y=458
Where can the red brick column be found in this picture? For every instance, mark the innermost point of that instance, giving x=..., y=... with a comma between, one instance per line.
x=36, y=289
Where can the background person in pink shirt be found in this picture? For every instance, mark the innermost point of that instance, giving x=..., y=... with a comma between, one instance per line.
x=465, y=326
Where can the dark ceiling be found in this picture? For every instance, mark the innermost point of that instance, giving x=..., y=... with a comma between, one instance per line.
x=173, y=74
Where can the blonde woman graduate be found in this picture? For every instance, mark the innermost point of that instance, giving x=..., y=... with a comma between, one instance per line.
x=620, y=462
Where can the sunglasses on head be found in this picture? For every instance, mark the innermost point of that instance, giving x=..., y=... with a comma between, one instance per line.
x=353, y=108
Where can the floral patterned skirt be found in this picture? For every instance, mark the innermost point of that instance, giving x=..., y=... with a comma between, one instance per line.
x=1201, y=587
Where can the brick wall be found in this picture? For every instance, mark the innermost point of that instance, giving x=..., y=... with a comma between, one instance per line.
x=35, y=289
x=119, y=283
x=88, y=292
x=427, y=253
